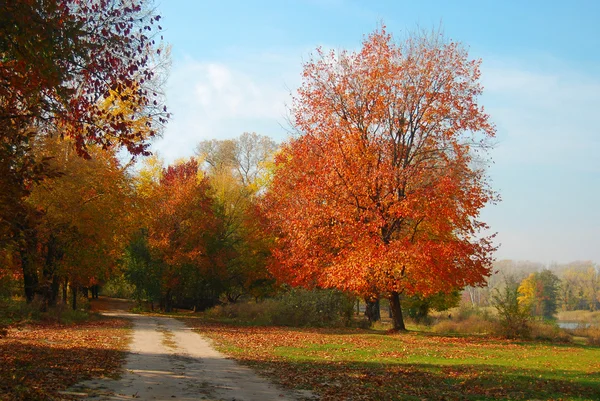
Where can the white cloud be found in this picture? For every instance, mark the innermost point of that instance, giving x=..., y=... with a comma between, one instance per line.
x=222, y=100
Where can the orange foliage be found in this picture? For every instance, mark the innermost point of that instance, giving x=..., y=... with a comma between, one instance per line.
x=379, y=193
x=182, y=222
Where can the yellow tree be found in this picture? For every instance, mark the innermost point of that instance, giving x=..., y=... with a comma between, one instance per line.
x=84, y=221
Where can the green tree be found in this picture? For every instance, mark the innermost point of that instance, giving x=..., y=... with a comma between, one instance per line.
x=236, y=169
x=513, y=317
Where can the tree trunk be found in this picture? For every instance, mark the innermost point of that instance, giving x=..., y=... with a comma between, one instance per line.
x=54, y=291
x=74, y=293
x=396, y=308
x=95, y=291
x=372, y=311
x=30, y=278
x=64, y=292
x=168, y=302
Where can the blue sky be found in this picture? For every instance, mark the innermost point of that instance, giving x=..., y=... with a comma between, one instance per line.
x=235, y=63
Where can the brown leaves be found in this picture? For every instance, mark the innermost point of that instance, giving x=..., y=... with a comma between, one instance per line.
x=37, y=361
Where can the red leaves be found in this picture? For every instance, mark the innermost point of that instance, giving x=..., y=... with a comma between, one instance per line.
x=75, y=52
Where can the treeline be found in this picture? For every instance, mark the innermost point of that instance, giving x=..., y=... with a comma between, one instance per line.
x=378, y=193
x=201, y=236
x=542, y=289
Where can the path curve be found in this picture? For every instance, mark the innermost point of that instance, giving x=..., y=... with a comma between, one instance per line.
x=169, y=361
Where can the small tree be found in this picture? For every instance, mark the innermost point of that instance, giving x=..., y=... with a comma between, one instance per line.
x=513, y=317
x=419, y=306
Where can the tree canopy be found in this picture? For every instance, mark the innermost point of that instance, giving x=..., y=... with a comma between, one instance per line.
x=380, y=190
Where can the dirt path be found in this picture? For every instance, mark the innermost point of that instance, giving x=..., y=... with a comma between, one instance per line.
x=168, y=361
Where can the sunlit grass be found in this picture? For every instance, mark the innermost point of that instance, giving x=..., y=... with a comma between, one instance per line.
x=375, y=365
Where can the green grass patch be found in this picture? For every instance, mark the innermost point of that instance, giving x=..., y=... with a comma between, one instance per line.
x=359, y=364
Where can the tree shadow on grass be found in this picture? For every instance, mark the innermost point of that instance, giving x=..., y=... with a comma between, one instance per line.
x=377, y=381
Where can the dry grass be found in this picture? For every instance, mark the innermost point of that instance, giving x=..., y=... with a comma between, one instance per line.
x=471, y=325
x=584, y=316
x=591, y=334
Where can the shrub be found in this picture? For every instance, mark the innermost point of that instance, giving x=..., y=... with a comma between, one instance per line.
x=118, y=287
x=590, y=333
x=62, y=313
x=14, y=310
x=513, y=319
x=300, y=307
x=545, y=331
x=473, y=324
x=297, y=307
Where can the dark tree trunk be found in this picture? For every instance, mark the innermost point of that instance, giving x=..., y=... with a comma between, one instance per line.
x=168, y=302
x=51, y=283
x=30, y=277
x=74, y=298
x=54, y=291
x=372, y=311
x=25, y=223
x=396, y=308
x=64, y=291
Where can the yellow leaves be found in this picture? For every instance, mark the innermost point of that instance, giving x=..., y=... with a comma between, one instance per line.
x=149, y=175
x=126, y=105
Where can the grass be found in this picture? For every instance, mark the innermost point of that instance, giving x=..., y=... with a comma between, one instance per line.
x=359, y=364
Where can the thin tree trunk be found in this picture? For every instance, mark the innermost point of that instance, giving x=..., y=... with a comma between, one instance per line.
x=64, y=291
x=396, y=308
x=74, y=293
x=30, y=278
x=372, y=311
x=54, y=291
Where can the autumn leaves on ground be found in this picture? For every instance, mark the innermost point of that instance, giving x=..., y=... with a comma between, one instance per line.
x=375, y=197
x=356, y=364
x=44, y=357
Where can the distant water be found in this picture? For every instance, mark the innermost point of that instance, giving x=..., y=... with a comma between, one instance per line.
x=573, y=325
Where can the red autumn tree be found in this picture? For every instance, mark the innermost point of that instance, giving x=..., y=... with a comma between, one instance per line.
x=379, y=192
x=61, y=59
x=181, y=226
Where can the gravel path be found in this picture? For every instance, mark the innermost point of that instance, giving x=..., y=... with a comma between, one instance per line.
x=168, y=361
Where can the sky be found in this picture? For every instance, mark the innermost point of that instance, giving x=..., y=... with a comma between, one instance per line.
x=236, y=64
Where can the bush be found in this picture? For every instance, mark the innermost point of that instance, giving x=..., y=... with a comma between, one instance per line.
x=118, y=287
x=513, y=319
x=473, y=324
x=590, y=333
x=297, y=308
x=545, y=331
x=14, y=310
